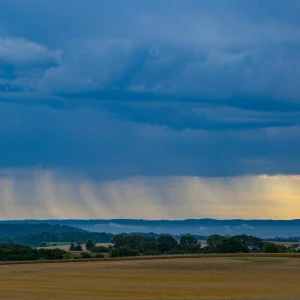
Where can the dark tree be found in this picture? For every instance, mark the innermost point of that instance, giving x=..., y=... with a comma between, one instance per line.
x=253, y=243
x=134, y=241
x=72, y=247
x=231, y=245
x=76, y=247
x=118, y=240
x=149, y=245
x=90, y=245
x=189, y=243
x=166, y=243
x=214, y=240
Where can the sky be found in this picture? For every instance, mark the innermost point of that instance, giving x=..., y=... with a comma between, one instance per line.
x=149, y=109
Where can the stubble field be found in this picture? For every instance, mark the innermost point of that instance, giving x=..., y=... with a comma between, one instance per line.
x=188, y=278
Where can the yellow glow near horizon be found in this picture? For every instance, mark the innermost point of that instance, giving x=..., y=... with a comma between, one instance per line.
x=48, y=194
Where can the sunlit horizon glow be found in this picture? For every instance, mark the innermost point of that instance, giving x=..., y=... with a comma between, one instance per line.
x=49, y=194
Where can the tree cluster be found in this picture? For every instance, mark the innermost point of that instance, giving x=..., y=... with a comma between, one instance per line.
x=235, y=244
x=22, y=253
x=133, y=245
x=245, y=244
x=75, y=247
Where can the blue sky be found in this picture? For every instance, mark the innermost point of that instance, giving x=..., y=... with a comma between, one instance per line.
x=105, y=91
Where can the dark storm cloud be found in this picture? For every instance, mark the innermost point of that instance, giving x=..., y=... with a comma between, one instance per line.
x=195, y=48
x=115, y=89
x=100, y=144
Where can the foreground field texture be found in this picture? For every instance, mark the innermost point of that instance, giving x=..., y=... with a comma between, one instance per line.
x=188, y=278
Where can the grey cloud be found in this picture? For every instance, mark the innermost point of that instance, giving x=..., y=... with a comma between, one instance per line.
x=23, y=52
x=21, y=64
x=209, y=50
x=99, y=144
x=114, y=90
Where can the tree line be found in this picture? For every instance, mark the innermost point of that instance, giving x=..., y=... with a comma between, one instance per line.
x=135, y=245
x=22, y=253
x=141, y=245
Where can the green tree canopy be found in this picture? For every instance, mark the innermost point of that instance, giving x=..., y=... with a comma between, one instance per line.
x=270, y=248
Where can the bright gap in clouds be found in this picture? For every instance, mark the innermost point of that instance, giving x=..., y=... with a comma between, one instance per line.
x=43, y=194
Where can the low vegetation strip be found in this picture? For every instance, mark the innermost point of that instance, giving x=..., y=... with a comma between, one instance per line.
x=159, y=257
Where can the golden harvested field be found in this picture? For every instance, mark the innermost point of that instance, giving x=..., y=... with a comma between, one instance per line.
x=186, y=278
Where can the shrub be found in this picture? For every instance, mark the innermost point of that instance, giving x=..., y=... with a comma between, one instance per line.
x=270, y=248
x=124, y=251
x=76, y=247
x=100, y=249
x=127, y=251
x=115, y=253
x=85, y=255
x=67, y=256
x=151, y=252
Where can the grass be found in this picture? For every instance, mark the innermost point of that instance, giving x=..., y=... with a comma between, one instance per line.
x=182, y=278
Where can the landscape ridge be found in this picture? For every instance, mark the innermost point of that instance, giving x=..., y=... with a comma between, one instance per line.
x=258, y=227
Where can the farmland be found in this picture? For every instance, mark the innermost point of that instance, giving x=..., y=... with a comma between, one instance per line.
x=182, y=278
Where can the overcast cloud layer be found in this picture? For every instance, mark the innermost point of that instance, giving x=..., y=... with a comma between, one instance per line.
x=111, y=90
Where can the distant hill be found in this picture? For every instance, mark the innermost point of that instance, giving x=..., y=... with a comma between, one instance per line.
x=8, y=229
x=40, y=239
x=200, y=227
x=34, y=234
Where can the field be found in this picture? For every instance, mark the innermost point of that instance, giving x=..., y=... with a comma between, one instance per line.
x=66, y=245
x=182, y=278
